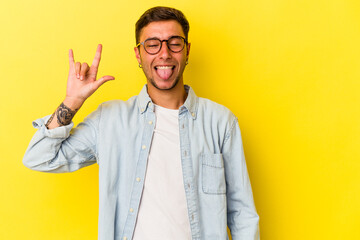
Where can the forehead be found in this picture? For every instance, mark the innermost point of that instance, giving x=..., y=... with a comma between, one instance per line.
x=161, y=30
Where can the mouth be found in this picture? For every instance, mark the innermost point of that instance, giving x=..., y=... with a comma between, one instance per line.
x=164, y=71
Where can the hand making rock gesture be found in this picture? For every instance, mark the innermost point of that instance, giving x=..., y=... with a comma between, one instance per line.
x=82, y=78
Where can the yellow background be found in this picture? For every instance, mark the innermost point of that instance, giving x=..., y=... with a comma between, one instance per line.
x=288, y=69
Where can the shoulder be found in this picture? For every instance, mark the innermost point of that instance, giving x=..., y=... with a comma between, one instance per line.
x=213, y=109
x=215, y=115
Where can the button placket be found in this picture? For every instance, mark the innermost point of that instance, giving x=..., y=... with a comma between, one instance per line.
x=139, y=174
x=186, y=163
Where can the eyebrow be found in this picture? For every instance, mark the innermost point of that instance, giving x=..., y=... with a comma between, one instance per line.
x=155, y=38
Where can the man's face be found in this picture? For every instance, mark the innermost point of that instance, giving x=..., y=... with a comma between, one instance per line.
x=165, y=69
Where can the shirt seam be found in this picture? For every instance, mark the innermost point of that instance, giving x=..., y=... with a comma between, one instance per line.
x=228, y=134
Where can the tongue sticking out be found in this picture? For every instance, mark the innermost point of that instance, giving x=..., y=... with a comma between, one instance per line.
x=164, y=73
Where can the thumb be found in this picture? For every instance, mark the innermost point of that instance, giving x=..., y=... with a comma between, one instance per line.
x=103, y=80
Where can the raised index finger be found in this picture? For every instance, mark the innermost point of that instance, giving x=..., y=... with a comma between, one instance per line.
x=96, y=61
x=71, y=58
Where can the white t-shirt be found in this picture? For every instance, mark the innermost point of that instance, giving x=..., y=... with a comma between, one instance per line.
x=163, y=211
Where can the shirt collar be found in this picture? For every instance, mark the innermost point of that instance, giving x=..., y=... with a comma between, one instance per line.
x=190, y=103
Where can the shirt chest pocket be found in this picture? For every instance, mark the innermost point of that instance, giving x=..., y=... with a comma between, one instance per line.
x=213, y=174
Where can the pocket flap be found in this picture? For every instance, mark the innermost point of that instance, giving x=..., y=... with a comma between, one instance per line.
x=213, y=160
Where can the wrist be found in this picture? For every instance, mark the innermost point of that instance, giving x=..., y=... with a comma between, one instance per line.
x=73, y=103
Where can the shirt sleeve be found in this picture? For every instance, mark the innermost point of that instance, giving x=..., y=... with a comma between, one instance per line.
x=242, y=218
x=63, y=149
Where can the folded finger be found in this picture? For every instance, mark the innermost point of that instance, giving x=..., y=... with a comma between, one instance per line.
x=83, y=71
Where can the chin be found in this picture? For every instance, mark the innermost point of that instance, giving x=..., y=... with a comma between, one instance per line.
x=165, y=86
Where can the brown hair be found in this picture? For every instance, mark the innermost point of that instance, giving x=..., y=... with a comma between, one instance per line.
x=156, y=14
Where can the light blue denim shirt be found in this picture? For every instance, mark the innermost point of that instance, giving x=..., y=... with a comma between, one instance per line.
x=118, y=137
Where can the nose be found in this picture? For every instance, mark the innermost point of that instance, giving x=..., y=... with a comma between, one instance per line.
x=164, y=51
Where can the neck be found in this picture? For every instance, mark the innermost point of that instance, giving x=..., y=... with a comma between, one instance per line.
x=172, y=99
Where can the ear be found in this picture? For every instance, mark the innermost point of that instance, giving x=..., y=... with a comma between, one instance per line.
x=188, y=51
x=137, y=54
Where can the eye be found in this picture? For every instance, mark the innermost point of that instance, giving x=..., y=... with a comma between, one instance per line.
x=176, y=43
x=152, y=43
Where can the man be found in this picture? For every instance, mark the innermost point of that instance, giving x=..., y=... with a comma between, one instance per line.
x=171, y=164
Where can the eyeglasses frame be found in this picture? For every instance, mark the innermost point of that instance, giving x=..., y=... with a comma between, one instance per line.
x=161, y=41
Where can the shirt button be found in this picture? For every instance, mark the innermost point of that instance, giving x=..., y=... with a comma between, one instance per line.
x=150, y=122
x=188, y=185
x=185, y=153
x=150, y=104
x=193, y=114
x=183, y=126
x=138, y=179
x=143, y=147
x=125, y=238
x=142, y=109
x=131, y=209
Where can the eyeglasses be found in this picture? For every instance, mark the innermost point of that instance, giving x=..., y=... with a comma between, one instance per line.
x=153, y=45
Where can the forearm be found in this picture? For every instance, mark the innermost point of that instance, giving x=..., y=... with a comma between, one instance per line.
x=63, y=149
x=64, y=113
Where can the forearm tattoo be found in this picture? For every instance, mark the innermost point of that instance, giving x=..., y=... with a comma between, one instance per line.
x=50, y=120
x=64, y=114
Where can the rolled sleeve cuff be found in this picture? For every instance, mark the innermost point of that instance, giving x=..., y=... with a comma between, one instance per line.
x=59, y=132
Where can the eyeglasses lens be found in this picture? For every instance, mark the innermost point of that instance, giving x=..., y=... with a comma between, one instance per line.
x=152, y=45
